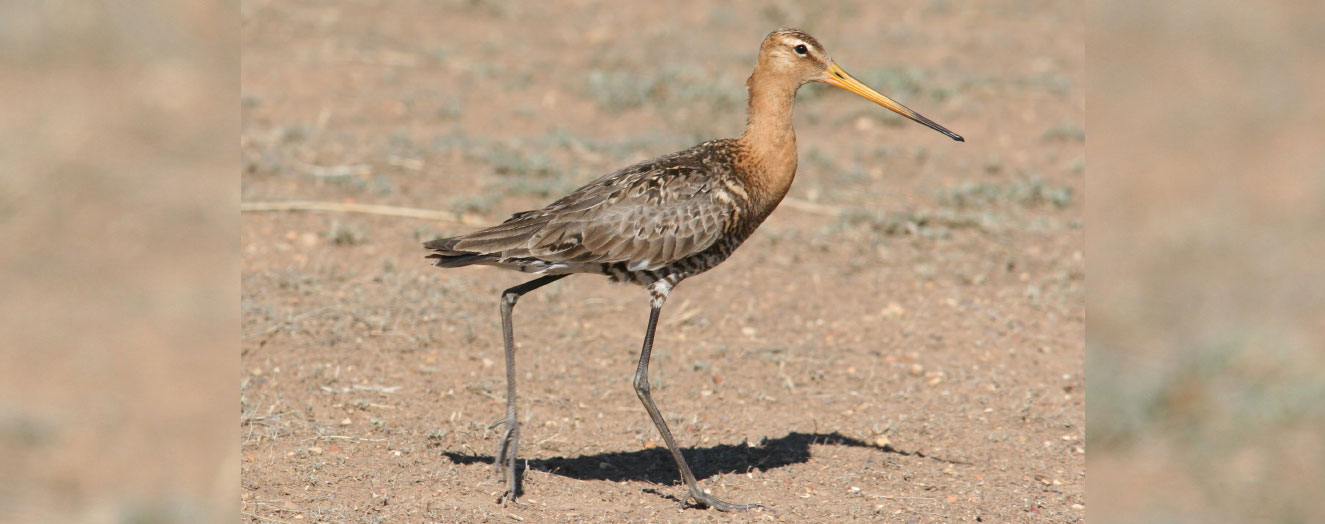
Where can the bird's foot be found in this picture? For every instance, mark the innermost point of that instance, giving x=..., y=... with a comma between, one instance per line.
x=704, y=499
x=509, y=496
x=504, y=460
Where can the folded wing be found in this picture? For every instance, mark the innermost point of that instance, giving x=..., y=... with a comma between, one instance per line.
x=645, y=216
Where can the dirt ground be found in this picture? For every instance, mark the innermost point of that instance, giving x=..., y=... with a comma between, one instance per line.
x=902, y=341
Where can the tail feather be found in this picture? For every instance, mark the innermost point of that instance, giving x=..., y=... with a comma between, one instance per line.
x=460, y=260
x=441, y=244
x=505, y=241
x=500, y=238
x=443, y=250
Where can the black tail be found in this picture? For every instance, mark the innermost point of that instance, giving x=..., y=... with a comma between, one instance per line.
x=443, y=250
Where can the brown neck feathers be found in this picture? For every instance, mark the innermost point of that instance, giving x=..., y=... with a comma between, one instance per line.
x=769, y=142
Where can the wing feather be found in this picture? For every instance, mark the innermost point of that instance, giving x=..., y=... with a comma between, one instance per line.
x=645, y=216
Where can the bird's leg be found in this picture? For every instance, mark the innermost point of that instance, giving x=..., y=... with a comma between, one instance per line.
x=642, y=389
x=510, y=438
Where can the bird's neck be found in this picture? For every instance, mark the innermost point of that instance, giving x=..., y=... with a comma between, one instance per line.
x=769, y=140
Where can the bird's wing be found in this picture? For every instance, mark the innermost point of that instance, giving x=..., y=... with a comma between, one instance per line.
x=646, y=216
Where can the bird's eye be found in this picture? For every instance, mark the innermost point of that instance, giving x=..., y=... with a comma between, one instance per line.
x=801, y=50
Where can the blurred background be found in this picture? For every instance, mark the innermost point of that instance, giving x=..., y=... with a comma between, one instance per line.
x=118, y=261
x=1206, y=187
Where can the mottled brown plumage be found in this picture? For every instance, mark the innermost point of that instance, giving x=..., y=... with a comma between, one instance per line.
x=644, y=223
x=658, y=222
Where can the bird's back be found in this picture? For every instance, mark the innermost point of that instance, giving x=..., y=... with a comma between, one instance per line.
x=666, y=218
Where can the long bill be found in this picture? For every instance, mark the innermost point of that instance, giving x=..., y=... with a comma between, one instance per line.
x=837, y=77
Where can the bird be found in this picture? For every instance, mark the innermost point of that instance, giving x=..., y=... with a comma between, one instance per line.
x=658, y=222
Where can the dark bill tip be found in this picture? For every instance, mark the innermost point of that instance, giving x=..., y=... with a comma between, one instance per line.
x=930, y=124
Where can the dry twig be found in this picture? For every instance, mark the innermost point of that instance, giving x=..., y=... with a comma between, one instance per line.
x=372, y=209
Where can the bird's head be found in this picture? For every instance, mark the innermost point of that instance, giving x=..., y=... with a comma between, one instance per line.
x=794, y=55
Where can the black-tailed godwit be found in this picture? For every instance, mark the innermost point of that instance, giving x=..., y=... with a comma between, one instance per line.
x=657, y=222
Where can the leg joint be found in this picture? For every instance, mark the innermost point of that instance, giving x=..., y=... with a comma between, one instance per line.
x=509, y=297
x=641, y=383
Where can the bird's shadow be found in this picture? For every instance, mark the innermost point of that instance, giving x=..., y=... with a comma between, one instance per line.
x=655, y=464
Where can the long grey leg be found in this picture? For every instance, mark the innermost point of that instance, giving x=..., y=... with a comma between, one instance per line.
x=510, y=439
x=642, y=389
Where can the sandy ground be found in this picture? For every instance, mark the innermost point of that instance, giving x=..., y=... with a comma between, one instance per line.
x=902, y=341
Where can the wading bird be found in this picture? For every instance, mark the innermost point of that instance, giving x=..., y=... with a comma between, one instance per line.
x=657, y=222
